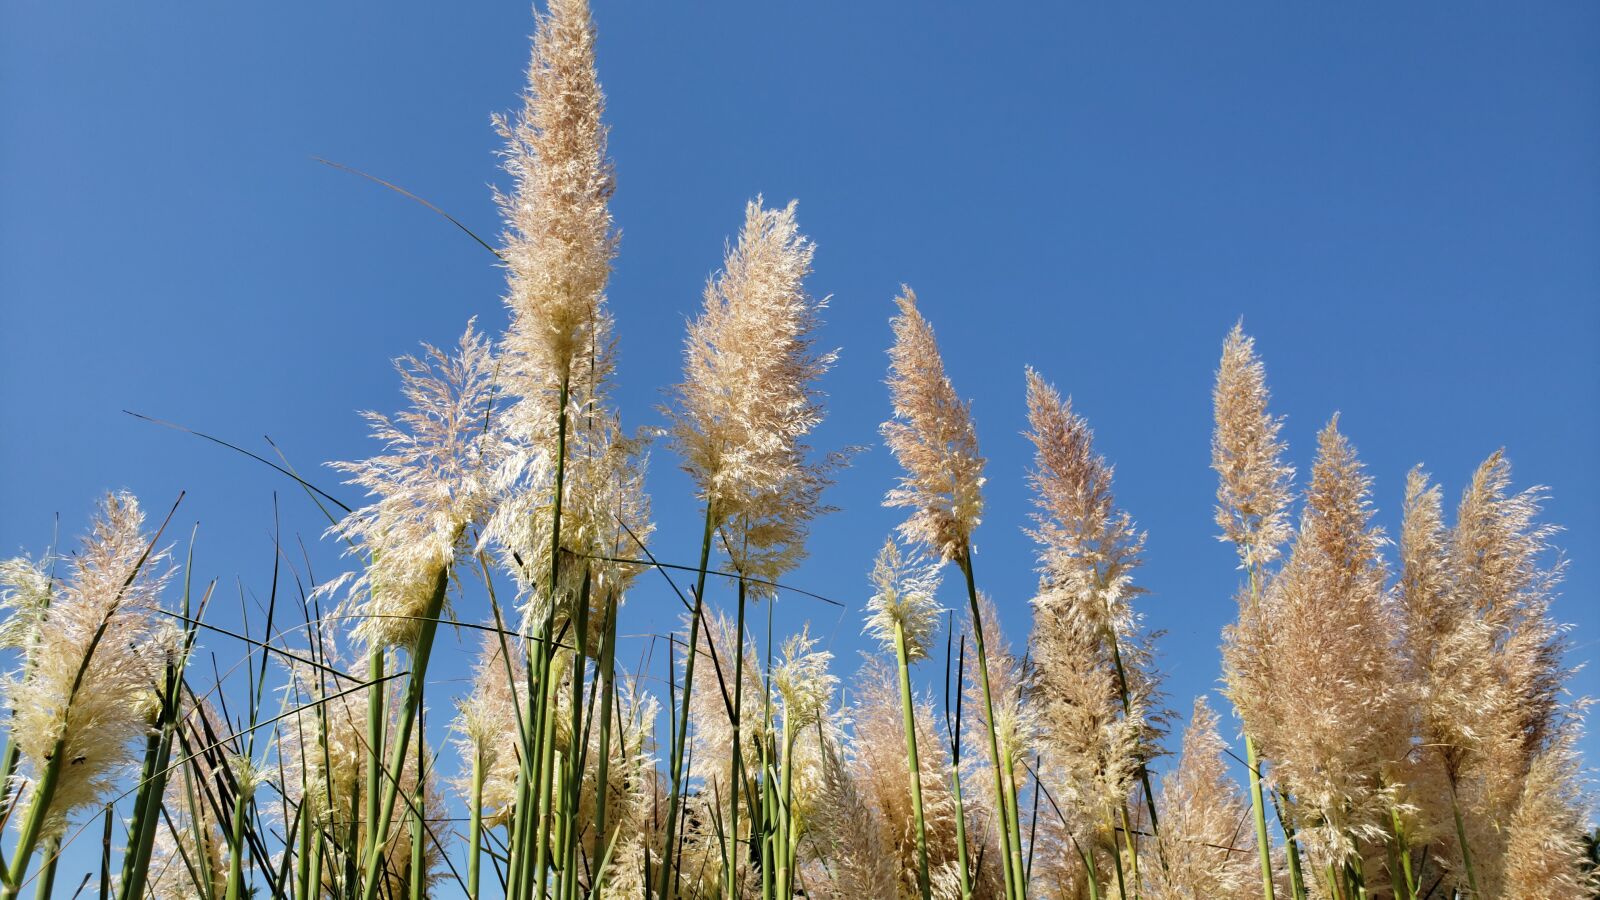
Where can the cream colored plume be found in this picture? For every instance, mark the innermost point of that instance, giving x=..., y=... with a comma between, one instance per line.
x=1207, y=848
x=1253, y=491
x=1313, y=667
x=84, y=687
x=433, y=481
x=903, y=601
x=748, y=397
x=558, y=241
x=932, y=437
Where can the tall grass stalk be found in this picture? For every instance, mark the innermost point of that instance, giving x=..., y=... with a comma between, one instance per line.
x=680, y=736
x=409, y=706
x=1004, y=773
x=913, y=762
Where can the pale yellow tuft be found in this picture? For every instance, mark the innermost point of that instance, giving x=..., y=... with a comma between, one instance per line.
x=932, y=437
x=903, y=601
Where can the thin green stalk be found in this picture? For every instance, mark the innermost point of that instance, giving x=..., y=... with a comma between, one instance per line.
x=1005, y=801
x=44, y=791
x=786, y=814
x=737, y=787
x=1461, y=838
x=47, y=878
x=1407, y=878
x=668, y=884
x=241, y=804
x=1116, y=856
x=575, y=747
x=1297, y=882
x=913, y=762
x=302, y=873
x=544, y=818
x=608, y=691
x=419, y=869
x=1258, y=811
x=475, y=824
x=411, y=703
x=377, y=725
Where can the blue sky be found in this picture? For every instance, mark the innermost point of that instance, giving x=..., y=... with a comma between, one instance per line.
x=1402, y=203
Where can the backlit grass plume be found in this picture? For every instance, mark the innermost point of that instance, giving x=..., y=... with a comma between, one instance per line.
x=431, y=483
x=1253, y=487
x=1091, y=681
x=83, y=691
x=559, y=240
x=932, y=437
x=1253, y=498
x=747, y=401
x=1331, y=714
x=1208, y=844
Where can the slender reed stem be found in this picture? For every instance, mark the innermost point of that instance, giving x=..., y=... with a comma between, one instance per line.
x=913, y=763
x=608, y=689
x=1461, y=838
x=402, y=739
x=475, y=824
x=737, y=787
x=47, y=878
x=668, y=884
x=1004, y=785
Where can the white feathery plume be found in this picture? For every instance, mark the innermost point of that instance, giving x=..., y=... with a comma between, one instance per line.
x=932, y=437
x=1253, y=482
x=1209, y=847
x=432, y=483
x=904, y=598
x=84, y=687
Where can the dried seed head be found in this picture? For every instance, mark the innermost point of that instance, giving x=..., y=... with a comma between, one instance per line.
x=904, y=601
x=748, y=397
x=83, y=690
x=558, y=238
x=1206, y=852
x=932, y=437
x=431, y=484
x=802, y=681
x=1253, y=493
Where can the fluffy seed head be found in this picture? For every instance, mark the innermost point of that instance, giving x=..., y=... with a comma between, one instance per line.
x=432, y=483
x=802, y=681
x=904, y=599
x=1253, y=491
x=1314, y=672
x=1207, y=848
x=558, y=238
x=83, y=689
x=932, y=437
x=748, y=396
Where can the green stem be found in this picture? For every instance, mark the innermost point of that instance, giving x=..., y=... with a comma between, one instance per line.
x=47, y=878
x=1408, y=879
x=913, y=762
x=737, y=786
x=241, y=804
x=412, y=702
x=668, y=885
x=1461, y=838
x=377, y=726
x=1258, y=811
x=475, y=824
x=1297, y=881
x=607, y=692
x=1004, y=785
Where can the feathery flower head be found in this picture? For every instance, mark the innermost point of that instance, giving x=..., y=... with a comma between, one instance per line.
x=1205, y=851
x=932, y=437
x=1545, y=854
x=84, y=688
x=558, y=239
x=431, y=484
x=748, y=398
x=1331, y=713
x=25, y=589
x=1253, y=492
x=904, y=598
x=802, y=681
x=1089, y=547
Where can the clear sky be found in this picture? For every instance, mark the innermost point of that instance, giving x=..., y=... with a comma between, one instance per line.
x=1403, y=202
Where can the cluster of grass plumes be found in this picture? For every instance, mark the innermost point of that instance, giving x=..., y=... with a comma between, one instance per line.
x=1402, y=705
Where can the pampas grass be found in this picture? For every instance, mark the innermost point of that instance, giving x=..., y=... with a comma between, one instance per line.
x=1403, y=706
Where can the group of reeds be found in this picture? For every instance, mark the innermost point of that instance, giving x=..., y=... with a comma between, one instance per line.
x=1405, y=728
